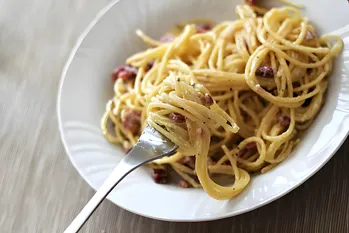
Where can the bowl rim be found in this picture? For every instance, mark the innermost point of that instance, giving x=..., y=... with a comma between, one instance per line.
x=66, y=67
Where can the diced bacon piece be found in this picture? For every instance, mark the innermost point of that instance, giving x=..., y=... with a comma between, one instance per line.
x=132, y=120
x=183, y=184
x=251, y=145
x=176, y=117
x=160, y=176
x=202, y=28
x=309, y=35
x=208, y=99
x=125, y=72
x=284, y=120
x=265, y=71
x=188, y=161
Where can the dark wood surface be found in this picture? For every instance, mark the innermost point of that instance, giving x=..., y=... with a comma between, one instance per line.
x=40, y=191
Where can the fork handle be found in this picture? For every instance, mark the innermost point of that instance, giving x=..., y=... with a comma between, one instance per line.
x=151, y=145
x=119, y=172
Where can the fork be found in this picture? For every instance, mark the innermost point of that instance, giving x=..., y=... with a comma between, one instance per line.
x=151, y=145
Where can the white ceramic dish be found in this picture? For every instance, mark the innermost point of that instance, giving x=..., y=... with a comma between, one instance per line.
x=86, y=87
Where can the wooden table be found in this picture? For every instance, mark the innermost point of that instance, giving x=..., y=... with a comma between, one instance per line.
x=40, y=191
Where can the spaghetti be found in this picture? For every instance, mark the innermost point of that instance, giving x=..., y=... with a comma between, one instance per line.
x=234, y=97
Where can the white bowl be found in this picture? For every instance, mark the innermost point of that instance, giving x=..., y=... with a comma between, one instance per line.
x=86, y=86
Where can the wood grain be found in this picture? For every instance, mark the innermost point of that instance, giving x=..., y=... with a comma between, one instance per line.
x=40, y=191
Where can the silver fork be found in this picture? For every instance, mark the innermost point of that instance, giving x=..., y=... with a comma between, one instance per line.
x=151, y=145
